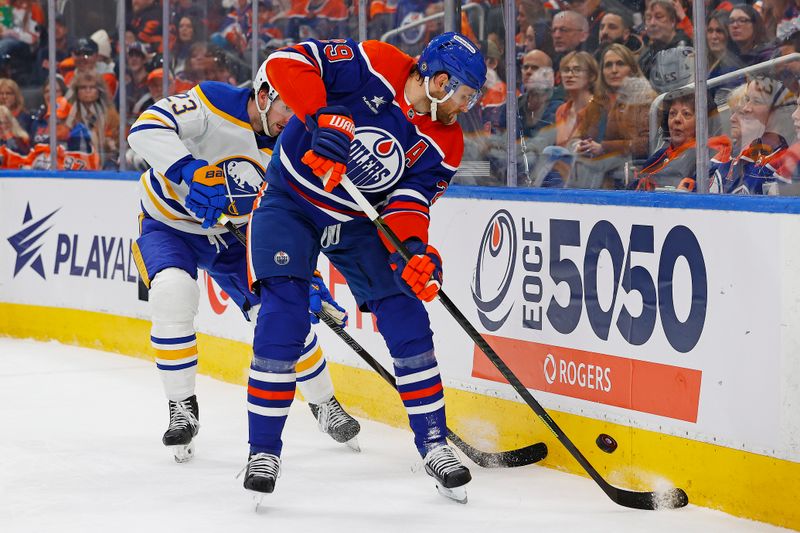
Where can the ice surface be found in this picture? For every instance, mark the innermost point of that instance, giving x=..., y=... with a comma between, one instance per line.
x=80, y=451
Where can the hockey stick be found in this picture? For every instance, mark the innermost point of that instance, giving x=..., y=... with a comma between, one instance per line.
x=511, y=458
x=672, y=498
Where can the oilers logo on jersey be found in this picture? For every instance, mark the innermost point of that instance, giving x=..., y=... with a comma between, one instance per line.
x=376, y=160
x=244, y=178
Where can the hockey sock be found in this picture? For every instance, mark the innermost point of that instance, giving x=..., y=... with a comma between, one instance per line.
x=313, y=378
x=404, y=324
x=269, y=397
x=280, y=332
x=174, y=297
x=420, y=388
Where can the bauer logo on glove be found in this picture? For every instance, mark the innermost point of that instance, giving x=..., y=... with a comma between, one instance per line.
x=208, y=193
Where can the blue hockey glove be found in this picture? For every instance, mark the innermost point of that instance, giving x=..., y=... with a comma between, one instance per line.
x=320, y=300
x=332, y=130
x=208, y=195
x=422, y=276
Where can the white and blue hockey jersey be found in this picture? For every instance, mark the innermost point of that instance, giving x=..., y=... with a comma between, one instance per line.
x=208, y=122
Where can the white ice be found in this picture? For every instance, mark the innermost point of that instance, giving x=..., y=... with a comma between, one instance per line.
x=80, y=451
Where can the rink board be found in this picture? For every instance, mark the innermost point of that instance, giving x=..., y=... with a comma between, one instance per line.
x=664, y=323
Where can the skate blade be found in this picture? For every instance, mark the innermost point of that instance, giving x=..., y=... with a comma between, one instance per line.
x=258, y=497
x=458, y=494
x=183, y=453
x=353, y=444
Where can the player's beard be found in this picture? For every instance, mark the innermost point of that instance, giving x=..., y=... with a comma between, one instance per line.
x=446, y=117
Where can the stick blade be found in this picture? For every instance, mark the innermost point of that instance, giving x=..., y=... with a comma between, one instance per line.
x=508, y=459
x=674, y=498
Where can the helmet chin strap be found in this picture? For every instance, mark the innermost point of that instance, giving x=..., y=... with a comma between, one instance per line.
x=435, y=101
x=263, y=114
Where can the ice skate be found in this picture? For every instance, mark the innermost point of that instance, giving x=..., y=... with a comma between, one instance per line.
x=334, y=420
x=262, y=470
x=443, y=465
x=183, y=426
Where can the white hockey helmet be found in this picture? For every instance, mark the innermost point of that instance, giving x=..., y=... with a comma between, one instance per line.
x=258, y=82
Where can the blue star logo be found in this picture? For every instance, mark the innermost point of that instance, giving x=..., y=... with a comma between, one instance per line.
x=26, y=242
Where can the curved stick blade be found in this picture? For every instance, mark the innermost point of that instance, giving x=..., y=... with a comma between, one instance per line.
x=674, y=498
x=507, y=459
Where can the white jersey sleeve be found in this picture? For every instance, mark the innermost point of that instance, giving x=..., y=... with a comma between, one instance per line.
x=161, y=133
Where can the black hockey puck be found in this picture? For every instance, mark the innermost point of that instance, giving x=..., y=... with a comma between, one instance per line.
x=606, y=443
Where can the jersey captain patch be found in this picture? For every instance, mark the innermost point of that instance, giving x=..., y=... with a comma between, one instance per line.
x=376, y=160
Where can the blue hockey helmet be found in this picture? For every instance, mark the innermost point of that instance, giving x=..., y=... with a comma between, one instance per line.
x=455, y=55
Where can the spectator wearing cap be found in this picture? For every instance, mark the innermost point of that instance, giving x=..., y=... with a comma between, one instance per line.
x=660, y=19
x=749, y=39
x=105, y=63
x=144, y=21
x=11, y=97
x=85, y=58
x=616, y=26
x=136, y=77
x=64, y=44
x=19, y=40
x=592, y=11
x=155, y=91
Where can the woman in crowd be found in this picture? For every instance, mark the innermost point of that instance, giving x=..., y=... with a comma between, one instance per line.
x=196, y=68
x=11, y=97
x=92, y=106
x=762, y=121
x=622, y=129
x=12, y=135
x=579, y=75
x=189, y=32
x=749, y=40
x=720, y=57
x=674, y=166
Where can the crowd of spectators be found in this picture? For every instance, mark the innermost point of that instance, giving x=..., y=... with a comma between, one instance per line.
x=587, y=72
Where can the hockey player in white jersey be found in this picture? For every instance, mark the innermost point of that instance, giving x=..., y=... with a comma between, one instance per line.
x=210, y=147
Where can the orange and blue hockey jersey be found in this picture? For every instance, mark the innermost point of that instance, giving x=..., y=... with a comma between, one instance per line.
x=402, y=161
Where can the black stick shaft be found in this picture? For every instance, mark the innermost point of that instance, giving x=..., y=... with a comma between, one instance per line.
x=641, y=500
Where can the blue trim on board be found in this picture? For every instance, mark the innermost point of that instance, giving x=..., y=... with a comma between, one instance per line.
x=666, y=200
